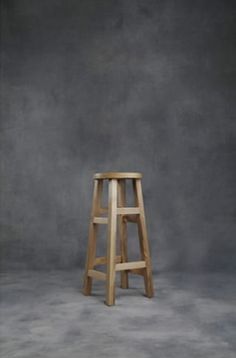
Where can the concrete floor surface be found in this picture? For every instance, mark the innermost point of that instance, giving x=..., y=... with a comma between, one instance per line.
x=44, y=315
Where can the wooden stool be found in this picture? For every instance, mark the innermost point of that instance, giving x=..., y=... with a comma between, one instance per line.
x=118, y=215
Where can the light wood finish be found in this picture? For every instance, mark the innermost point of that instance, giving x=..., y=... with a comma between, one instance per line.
x=111, y=241
x=102, y=260
x=100, y=220
x=130, y=265
x=127, y=211
x=118, y=175
x=91, y=253
x=117, y=216
x=98, y=275
x=122, y=225
x=143, y=239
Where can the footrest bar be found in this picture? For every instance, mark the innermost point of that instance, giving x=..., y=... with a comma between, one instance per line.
x=130, y=265
x=102, y=260
x=128, y=211
x=100, y=220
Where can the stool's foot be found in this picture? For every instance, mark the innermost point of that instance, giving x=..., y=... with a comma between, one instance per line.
x=110, y=296
x=109, y=304
x=87, y=287
x=148, y=284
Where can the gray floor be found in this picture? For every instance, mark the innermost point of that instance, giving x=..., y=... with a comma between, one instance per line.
x=45, y=315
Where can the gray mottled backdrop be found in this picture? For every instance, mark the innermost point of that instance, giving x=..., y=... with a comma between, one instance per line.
x=118, y=85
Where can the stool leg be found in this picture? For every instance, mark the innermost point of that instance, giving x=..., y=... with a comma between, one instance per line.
x=143, y=238
x=122, y=225
x=111, y=242
x=91, y=252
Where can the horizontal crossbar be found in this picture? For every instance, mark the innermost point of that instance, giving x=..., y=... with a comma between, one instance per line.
x=127, y=211
x=97, y=274
x=130, y=265
x=130, y=212
x=100, y=220
x=102, y=260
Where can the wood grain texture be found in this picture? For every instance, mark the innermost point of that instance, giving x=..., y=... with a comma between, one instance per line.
x=100, y=220
x=130, y=265
x=128, y=211
x=111, y=242
x=91, y=251
x=143, y=238
x=122, y=226
x=102, y=260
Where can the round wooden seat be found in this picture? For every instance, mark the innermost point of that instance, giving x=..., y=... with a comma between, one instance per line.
x=118, y=175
